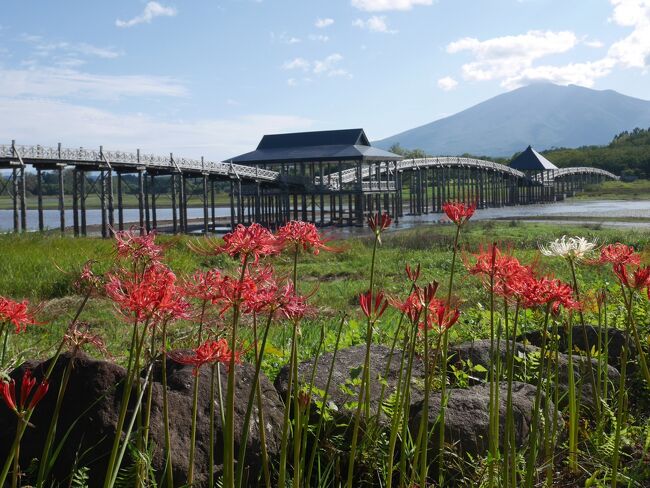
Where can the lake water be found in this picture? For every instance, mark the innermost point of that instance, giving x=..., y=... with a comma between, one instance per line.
x=577, y=211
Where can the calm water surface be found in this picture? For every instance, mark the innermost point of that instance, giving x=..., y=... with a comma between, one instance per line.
x=577, y=211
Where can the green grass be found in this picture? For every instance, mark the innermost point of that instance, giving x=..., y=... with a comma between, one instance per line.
x=43, y=268
x=618, y=190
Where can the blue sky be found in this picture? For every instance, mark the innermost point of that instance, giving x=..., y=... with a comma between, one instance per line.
x=199, y=77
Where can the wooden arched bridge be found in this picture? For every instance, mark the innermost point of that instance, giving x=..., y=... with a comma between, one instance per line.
x=330, y=178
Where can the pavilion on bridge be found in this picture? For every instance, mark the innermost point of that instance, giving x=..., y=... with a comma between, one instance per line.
x=327, y=177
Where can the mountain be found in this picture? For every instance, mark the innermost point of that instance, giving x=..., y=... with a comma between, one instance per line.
x=542, y=115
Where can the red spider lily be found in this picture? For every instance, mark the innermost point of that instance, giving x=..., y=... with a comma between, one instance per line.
x=379, y=223
x=373, y=309
x=293, y=307
x=8, y=392
x=79, y=335
x=234, y=292
x=138, y=246
x=458, y=212
x=208, y=352
x=442, y=317
x=510, y=278
x=204, y=285
x=16, y=313
x=429, y=293
x=546, y=291
x=638, y=280
x=413, y=273
x=148, y=296
x=88, y=280
x=252, y=243
x=619, y=254
x=298, y=234
x=412, y=306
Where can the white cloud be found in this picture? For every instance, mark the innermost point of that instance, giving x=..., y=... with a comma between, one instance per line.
x=48, y=48
x=384, y=5
x=326, y=66
x=297, y=63
x=447, y=83
x=151, y=10
x=595, y=44
x=322, y=23
x=376, y=23
x=511, y=59
x=634, y=50
x=505, y=57
x=320, y=38
x=62, y=82
x=48, y=122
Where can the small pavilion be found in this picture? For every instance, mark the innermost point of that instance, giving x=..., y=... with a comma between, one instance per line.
x=540, y=171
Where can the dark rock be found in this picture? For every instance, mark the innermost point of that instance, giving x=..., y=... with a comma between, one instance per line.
x=349, y=365
x=612, y=338
x=93, y=398
x=467, y=420
x=478, y=352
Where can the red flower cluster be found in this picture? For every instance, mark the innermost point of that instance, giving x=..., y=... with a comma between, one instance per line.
x=148, y=296
x=458, y=212
x=16, y=313
x=140, y=246
x=545, y=291
x=373, y=307
x=79, y=335
x=249, y=243
x=21, y=405
x=439, y=316
x=637, y=279
x=299, y=234
x=379, y=223
x=509, y=276
x=208, y=352
x=619, y=254
x=512, y=280
x=622, y=256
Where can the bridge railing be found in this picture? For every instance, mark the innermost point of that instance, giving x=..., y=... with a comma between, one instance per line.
x=80, y=155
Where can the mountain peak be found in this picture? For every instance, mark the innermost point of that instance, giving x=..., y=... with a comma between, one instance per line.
x=541, y=114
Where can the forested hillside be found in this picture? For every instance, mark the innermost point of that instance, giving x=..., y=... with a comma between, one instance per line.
x=628, y=154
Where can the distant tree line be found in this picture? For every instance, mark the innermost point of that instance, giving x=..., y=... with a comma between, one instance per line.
x=627, y=155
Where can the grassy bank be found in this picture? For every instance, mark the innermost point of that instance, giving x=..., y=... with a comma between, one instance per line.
x=618, y=190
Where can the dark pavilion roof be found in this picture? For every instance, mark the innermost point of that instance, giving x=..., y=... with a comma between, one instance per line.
x=531, y=160
x=327, y=145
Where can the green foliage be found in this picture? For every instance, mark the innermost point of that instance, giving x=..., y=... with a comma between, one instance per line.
x=627, y=154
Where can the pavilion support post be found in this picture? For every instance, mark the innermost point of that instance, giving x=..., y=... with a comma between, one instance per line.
x=120, y=203
x=141, y=200
x=82, y=202
x=206, y=217
x=39, y=193
x=172, y=182
x=258, y=202
x=111, y=205
x=61, y=200
x=147, y=209
x=75, y=202
x=154, y=203
x=14, y=185
x=232, y=204
x=23, y=200
x=182, y=203
x=213, y=208
x=240, y=211
x=102, y=202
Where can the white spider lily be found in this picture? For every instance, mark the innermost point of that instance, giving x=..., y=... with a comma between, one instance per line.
x=574, y=248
